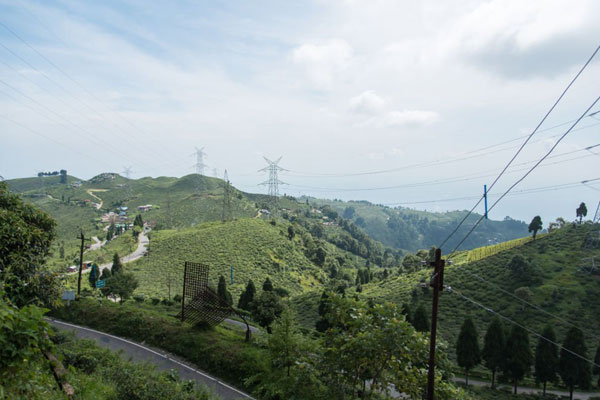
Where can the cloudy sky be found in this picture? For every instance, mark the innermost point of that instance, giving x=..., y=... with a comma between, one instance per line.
x=396, y=102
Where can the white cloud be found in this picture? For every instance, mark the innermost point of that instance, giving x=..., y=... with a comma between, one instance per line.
x=367, y=103
x=322, y=62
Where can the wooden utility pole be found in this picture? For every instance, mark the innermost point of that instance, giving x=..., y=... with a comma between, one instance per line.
x=83, y=239
x=437, y=282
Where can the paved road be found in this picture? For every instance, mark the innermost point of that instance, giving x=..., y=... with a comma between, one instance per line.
x=520, y=389
x=253, y=329
x=162, y=360
x=97, y=244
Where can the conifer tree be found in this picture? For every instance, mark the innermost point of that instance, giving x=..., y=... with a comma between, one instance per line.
x=93, y=276
x=467, y=347
x=494, y=344
x=518, y=355
x=596, y=369
x=267, y=285
x=247, y=296
x=546, y=358
x=420, y=320
x=574, y=371
x=222, y=291
x=138, y=221
x=117, y=267
x=322, y=323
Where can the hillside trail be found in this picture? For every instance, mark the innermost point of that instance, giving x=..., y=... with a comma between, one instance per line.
x=91, y=193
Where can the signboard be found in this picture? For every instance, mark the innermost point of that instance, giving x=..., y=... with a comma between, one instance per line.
x=68, y=295
x=100, y=283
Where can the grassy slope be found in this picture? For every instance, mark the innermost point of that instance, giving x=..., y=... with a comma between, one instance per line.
x=426, y=228
x=255, y=248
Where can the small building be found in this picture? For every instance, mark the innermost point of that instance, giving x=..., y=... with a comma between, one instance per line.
x=264, y=211
x=147, y=207
x=123, y=208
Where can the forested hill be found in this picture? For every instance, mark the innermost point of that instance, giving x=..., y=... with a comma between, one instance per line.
x=408, y=229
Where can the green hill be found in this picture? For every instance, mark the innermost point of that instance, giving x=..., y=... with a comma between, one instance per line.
x=255, y=248
x=408, y=229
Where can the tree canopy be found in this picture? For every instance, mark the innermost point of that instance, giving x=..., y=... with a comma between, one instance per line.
x=535, y=225
x=467, y=347
x=581, y=211
x=574, y=370
x=546, y=358
x=494, y=344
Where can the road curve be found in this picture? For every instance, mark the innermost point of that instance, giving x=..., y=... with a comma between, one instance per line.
x=161, y=359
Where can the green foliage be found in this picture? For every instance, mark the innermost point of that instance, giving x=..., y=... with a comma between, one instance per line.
x=23, y=339
x=467, y=347
x=139, y=222
x=574, y=370
x=121, y=284
x=596, y=369
x=518, y=355
x=222, y=291
x=247, y=296
x=581, y=211
x=117, y=266
x=494, y=344
x=535, y=225
x=25, y=237
x=93, y=275
x=267, y=285
x=546, y=358
x=420, y=320
x=266, y=308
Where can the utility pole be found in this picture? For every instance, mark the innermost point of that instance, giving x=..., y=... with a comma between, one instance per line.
x=226, y=215
x=83, y=239
x=437, y=282
x=485, y=200
x=273, y=182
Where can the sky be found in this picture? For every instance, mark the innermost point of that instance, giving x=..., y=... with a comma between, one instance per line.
x=418, y=104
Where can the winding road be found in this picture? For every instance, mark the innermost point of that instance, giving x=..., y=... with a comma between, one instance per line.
x=161, y=359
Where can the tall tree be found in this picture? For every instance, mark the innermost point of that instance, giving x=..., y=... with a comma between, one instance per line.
x=494, y=352
x=222, y=291
x=546, y=358
x=267, y=285
x=247, y=296
x=93, y=276
x=266, y=308
x=122, y=285
x=291, y=232
x=117, y=267
x=581, y=211
x=322, y=323
x=420, y=320
x=467, y=347
x=518, y=355
x=535, y=225
x=138, y=221
x=574, y=370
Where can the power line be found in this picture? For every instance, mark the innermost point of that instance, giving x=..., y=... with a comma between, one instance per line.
x=488, y=309
x=526, y=174
x=527, y=140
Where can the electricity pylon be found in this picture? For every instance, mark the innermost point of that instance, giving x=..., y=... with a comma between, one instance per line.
x=273, y=182
x=227, y=215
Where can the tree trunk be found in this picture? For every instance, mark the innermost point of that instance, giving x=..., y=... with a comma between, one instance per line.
x=571, y=392
x=493, y=379
x=544, y=390
x=515, y=391
x=466, y=377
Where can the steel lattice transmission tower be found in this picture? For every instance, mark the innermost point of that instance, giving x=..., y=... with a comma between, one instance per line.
x=273, y=182
x=227, y=215
x=127, y=173
x=200, y=166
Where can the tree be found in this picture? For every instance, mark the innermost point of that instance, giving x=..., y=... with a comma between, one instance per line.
x=349, y=212
x=596, y=370
x=494, y=344
x=535, y=225
x=407, y=313
x=122, y=285
x=420, y=320
x=322, y=323
x=581, y=211
x=467, y=347
x=524, y=293
x=117, y=267
x=93, y=276
x=266, y=308
x=135, y=232
x=63, y=176
x=518, y=355
x=138, y=221
x=222, y=291
x=291, y=232
x=105, y=274
x=574, y=370
x=546, y=358
x=267, y=285
x=26, y=234
x=247, y=296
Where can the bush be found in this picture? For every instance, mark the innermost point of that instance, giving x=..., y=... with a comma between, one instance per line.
x=154, y=300
x=139, y=298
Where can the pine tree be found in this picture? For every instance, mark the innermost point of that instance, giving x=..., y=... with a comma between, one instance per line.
x=138, y=221
x=518, y=355
x=267, y=285
x=574, y=371
x=546, y=358
x=322, y=323
x=494, y=344
x=247, y=296
x=467, y=347
x=420, y=320
x=117, y=267
x=93, y=276
x=222, y=291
